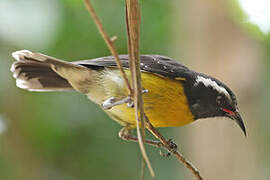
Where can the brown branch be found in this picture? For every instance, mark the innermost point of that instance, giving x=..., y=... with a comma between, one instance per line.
x=168, y=146
x=110, y=44
x=163, y=143
x=133, y=31
x=133, y=27
x=109, y=41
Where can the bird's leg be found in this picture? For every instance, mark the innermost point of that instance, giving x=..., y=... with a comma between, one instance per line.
x=125, y=134
x=111, y=102
x=145, y=91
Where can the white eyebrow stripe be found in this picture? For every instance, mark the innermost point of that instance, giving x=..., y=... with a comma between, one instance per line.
x=209, y=82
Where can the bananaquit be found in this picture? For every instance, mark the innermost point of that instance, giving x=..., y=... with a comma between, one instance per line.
x=175, y=95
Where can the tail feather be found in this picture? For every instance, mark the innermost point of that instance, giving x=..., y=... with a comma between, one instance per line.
x=35, y=75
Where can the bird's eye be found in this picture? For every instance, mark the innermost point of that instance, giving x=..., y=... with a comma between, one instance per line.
x=223, y=104
x=220, y=100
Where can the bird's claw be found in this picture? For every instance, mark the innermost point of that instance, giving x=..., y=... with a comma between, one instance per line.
x=172, y=149
x=172, y=145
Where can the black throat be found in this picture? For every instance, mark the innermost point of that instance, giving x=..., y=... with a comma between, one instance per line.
x=201, y=98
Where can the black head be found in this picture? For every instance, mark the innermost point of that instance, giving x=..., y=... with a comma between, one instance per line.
x=208, y=97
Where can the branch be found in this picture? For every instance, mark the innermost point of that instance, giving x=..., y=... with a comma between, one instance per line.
x=110, y=44
x=109, y=41
x=168, y=146
x=133, y=30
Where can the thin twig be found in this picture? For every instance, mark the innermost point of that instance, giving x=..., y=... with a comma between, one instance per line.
x=167, y=146
x=133, y=31
x=133, y=25
x=109, y=41
x=142, y=170
x=110, y=44
x=133, y=36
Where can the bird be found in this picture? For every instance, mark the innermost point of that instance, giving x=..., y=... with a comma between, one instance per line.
x=173, y=94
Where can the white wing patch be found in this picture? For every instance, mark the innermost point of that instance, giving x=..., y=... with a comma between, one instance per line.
x=209, y=82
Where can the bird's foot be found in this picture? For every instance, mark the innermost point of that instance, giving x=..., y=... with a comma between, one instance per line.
x=172, y=147
x=112, y=101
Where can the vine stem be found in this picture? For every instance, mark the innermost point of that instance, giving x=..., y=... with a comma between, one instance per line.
x=133, y=31
x=166, y=145
x=133, y=20
x=134, y=59
x=109, y=41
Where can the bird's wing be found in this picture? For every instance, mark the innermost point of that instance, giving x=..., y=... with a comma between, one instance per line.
x=157, y=64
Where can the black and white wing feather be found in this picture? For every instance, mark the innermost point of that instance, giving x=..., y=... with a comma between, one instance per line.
x=157, y=64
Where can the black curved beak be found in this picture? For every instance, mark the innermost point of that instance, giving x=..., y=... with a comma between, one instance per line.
x=238, y=119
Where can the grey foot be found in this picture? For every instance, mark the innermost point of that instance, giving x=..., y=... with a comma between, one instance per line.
x=111, y=102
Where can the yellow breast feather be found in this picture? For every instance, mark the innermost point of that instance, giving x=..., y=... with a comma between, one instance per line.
x=165, y=103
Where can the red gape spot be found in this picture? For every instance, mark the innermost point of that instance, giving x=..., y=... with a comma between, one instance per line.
x=228, y=111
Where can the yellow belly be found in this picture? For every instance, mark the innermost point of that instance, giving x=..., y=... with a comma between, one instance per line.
x=165, y=104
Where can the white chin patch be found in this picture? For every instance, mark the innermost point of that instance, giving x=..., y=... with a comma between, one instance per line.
x=17, y=54
x=209, y=82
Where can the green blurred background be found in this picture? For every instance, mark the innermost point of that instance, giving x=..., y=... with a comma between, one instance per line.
x=65, y=136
